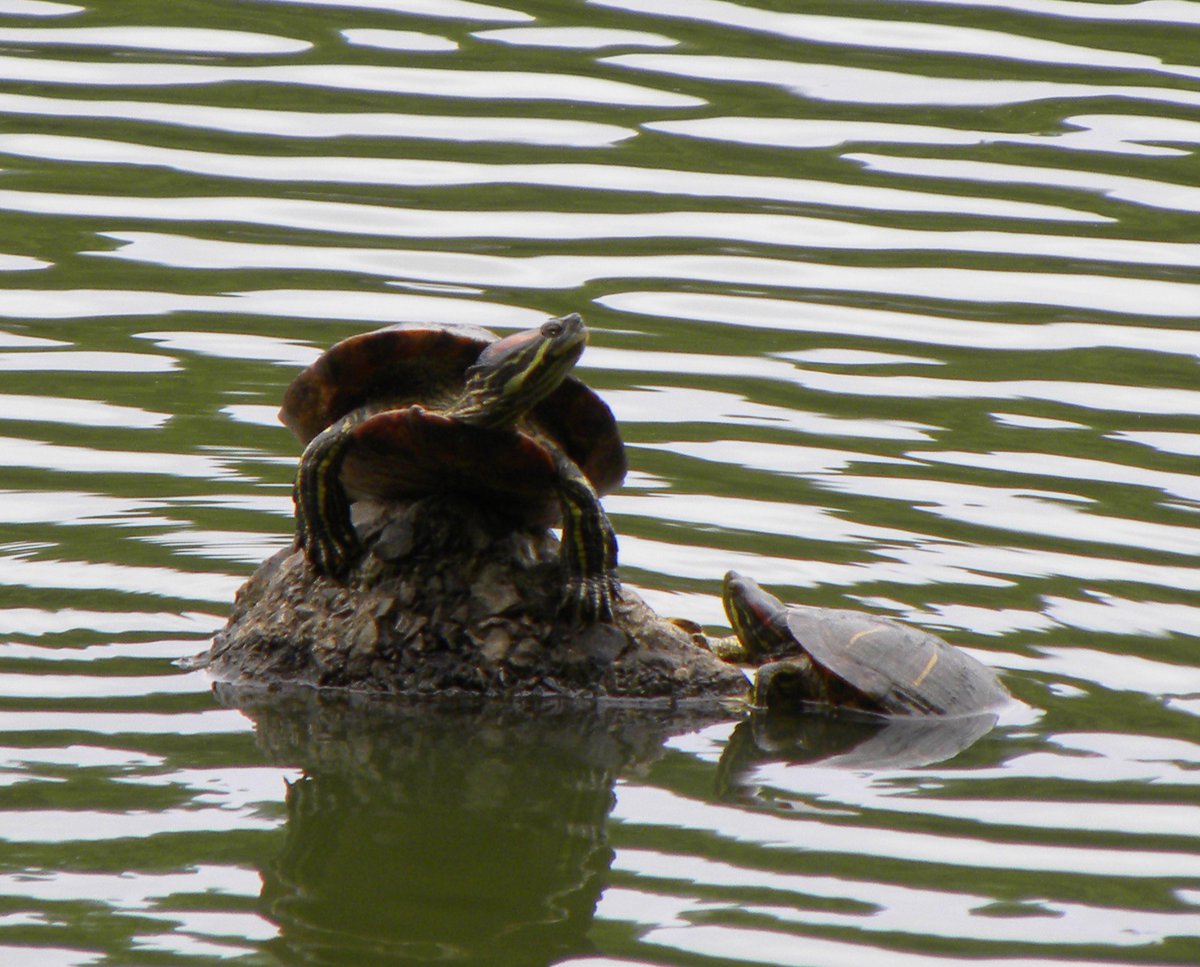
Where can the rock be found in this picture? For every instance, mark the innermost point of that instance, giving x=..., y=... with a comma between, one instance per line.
x=453, y=599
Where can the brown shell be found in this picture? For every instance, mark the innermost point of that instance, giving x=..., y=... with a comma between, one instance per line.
x=412, y=451
x=897, y=669
x=388, y=367
x=419, y=453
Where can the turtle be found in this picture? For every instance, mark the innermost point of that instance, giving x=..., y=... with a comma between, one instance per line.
x=848, y=660
x=419, y=409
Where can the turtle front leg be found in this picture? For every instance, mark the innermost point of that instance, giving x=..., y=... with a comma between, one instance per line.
x=787, y=681
x=589, y=549
x=324, y=530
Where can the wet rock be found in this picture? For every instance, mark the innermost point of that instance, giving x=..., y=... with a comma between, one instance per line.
x=449, y=598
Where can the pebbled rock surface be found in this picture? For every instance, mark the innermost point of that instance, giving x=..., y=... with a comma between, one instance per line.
x=450, y=598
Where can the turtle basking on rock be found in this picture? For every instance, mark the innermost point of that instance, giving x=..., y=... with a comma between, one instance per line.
x=451, y=601
x=848, y=660
x=436, y=460
x=413, y=410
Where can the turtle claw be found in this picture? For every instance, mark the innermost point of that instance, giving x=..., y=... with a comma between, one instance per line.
x=589, y=600
x=330, y=559
x=328, y=555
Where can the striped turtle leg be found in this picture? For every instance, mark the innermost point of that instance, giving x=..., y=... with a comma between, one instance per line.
x=589, y=548
x=795, y=678
x=323, y=527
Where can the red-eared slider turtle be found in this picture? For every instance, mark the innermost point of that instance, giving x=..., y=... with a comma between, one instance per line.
x=846, y=659
x=414, y=410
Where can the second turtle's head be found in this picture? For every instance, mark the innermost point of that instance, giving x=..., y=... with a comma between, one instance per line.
x=515, y=373
x=758, y=619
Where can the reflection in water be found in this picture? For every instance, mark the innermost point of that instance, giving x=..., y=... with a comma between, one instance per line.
x=844, y=742
x=462, y=834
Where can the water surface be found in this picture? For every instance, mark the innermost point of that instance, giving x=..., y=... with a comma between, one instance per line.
x=897, y=305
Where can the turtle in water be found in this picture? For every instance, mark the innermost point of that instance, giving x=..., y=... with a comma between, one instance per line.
x=848, y=660
x=413, y=410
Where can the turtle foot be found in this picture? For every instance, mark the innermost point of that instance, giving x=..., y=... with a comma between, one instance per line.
x=792, y=679
x=589, y=600
x=328, y=558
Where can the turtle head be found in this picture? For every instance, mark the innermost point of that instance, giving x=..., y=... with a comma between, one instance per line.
x=514, y=374
x=758, y=619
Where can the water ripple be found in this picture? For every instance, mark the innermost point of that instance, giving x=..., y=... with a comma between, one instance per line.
x=891, y=907
x=427, y=81
x=173, y=39
x=858, y=85
x=1141, y=11
x=449, y=9
x=873, y=323
x=446, y=173
x=575, y=38
x=61, y=409
x=650, y=807
x=37, y=8
x=1139, y=191
x=816, y=233
x=891, y=34
x=409, y=40
x=897, y=311
x=263, y=122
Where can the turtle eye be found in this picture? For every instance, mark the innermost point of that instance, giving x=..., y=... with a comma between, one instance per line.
x=552, y=329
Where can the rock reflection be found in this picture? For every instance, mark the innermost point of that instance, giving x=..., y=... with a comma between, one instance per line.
x=469, y=833
x=843, y=743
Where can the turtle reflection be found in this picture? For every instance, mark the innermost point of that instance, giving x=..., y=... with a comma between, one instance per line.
x=846, y=742
x=439, y=832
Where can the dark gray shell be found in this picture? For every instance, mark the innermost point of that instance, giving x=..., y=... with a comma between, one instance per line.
x=897, y=670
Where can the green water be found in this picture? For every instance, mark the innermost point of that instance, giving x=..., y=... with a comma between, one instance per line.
x=897, y=306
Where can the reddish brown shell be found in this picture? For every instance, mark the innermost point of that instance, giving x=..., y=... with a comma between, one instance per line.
x=393, y=366
x=408, y=450
x=411, y=451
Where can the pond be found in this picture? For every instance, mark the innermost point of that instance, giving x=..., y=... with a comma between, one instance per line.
x=897, y=305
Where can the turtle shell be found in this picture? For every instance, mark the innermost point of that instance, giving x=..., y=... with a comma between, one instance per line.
x=405, y=373
x=413, y=451
x=897, y=670
x=401, y=364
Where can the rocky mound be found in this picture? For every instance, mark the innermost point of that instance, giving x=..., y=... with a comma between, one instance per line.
x=451, y=598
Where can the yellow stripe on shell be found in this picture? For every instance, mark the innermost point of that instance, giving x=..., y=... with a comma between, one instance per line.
x=866, y=631
x=933, y=660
